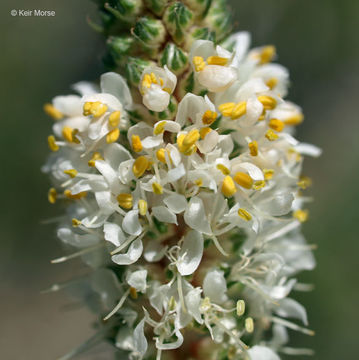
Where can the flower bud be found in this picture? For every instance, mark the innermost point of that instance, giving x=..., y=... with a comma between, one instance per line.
x=219, y=19
x=175, y=59
x=149, y=32
x=156, y=6
x=125, y=9
x=199, y=7
x=120, y=46
x=134, y=69
x=199, y=33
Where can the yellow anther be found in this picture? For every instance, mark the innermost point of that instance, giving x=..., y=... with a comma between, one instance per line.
x=217, y=60
x=241, y=307
x=114, y=118
x=96, y=156
x=263, y=115
x=209, y=117
x=136, y=143
x=304, y=182
x=239, y=110
x=199, y=63
x=226, y=109
x=294, y=153
x=244, y=214
x=268, y=102
x=161, y=155
x=96, y=109
x=71, y=196
x=199, y=182
x=133, y=293
x=153, y=78
x=301, y=215
x=157, y=188
x=276, y=125
x=191, y=138
x=52, y=195
x=253, y=148
x=249, y=325
x=259, y=184
x=140, y=166
x=294, y=120
x=268, y=173
x=243, y=179
x=71, y=172
x=184, y=149
x=272, y=83
x=52, y=143
x=271, y=135
x=204, y=132
x=267, y=55
x=160, y=128
x=167, y=89
x=142, y=206
x=69, y=134
x=87, y=108
x=76, y=222
x=146, y=81
x=228, y=187
x=125, y=200
x=53, y=112
x=223, y=169
x=112, y=136
x=161, y=81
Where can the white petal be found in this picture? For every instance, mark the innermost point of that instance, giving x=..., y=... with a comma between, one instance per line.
x=290, y=308
x=193, y=301
x=139, y=339
x=156, y=99
x=217, y=78
x=164, y=214
x=278, y=204
x=114, y=84
x=262, y=353
x=195, y=216
x=137, y=280
x=133, y=254
x=114, y=234
x=111, y=101
x=176, y=203
x=215, y=286
x=80, y=241
x=191, y=252
x=154, y=251
x=176, y=173
x=115, y=154
x=151, y=141
x=308, y=149
x=69, y=105
x=173, y=345
x=131, y=223
x=85, y=88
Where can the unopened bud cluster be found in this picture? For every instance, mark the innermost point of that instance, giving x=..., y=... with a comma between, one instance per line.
x=183, y=188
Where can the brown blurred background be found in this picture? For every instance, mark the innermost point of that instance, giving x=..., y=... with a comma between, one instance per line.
x=40, y=57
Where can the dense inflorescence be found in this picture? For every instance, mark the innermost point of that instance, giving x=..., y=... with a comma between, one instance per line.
x=183, y=188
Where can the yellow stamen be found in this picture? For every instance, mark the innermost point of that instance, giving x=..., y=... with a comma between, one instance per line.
x=276, y=125
x=157, y=188
x=217, y=60
x=160, y=128
x=161, y=155
x=52, y=143
x=226, y=109
x=140, y=166
x=249, y=325
x=69, y=134
x=244, y=214
x=268, y=173
x=253, y=148
x=239, y=110
x=112, y=136
x=125, y=200
x=184, y=149
x=199, y=182
x=271, y=135
x=268, y=102
x=294, y=120
x=191, y=138
x=204, y=132
x=53, y=112
x=301, y=215
x=272, y=83
x=241, y=307
x=243, y=179
x=52, y=195
x=153, y=78
x=304, y=182
x=96, y=109
x=199, y=63
x=259, y=184
x=71, y=172
x=133, y=293
x=114, y=118
x=136, y=143
x=96, y=156
x=223, y=169
x=167, y=89
x=142, y=206
x=209, y=117
x=147, y=81
x=267, y=54
x=228, y=187
x=76, y=222
x=71, y=196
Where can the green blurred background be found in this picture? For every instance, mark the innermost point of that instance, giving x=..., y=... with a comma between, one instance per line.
x=40, y=57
